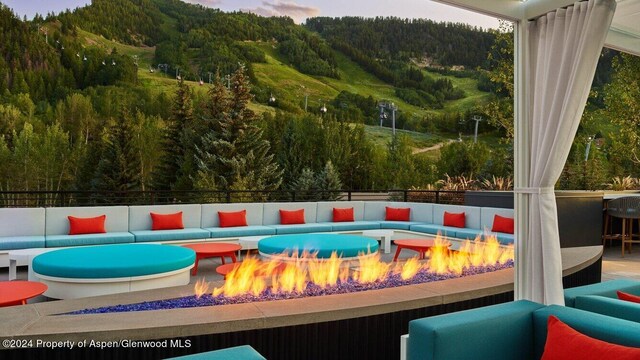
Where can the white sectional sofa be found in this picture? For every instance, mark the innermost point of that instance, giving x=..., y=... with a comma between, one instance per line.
x=324, y=215
x=421, y=213
x=140, y=223
x=211, y=222
x=23, y=228
x=116, y=225
x=271, y=218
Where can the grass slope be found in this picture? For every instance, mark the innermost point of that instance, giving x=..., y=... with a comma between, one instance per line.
x=381, y=136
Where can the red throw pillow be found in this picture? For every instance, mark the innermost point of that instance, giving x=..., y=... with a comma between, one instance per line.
x=166, y=221
x=454, y=219
x=397, y=214
x=291, y=217
x=563, y=342
x=232, y=218
x=342, y=215
x=628, y=297
x=502, y=224
x=92, y=225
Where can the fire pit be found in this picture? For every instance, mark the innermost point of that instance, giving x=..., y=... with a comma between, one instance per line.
x=363, y=324
x=254, y=280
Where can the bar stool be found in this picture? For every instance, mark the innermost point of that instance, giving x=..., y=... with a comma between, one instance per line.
x=607, y=233
x=627, y=209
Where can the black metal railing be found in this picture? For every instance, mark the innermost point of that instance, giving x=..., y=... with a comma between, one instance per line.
x=154, y=197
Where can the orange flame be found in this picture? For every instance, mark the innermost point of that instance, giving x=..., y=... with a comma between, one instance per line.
x=253, y=276
x=442, y=260
x=201, y=287
x=410, y=268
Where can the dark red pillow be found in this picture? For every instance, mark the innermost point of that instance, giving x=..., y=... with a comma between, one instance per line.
x=454, y=219
x=232, y=218
x=502, y=224
x=291, y=217
x=397, y=214
x=92, y=225
x=343, y=215
x=563, y=342
x=166, y=221
x=628, y=297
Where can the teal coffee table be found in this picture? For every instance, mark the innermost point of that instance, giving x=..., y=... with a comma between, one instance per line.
x=286, y=247
x=110, y=269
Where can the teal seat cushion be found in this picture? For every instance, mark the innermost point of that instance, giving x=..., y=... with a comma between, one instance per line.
x=620, y=309
x=472, y=234
x=505, y=239
x=501, y=331
x=468, y=234
x=397, y=225
x=21, y=242
x=301, y=228
x=322, y=244
x=607, y=288
x=89, y=239
x=113, y=261
x=436, y=229
x=244, y=352
x=598, y=326
x=168, y=235
x=353, y=225
x=237, y=231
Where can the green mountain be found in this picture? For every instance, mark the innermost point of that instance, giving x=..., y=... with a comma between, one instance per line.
x=73, y=78
x=198, y=42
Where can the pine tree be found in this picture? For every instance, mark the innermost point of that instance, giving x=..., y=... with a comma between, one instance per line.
x=306, y=185
x=233, y=154
x=329, y=182
x=170, y=172
x=118, y=168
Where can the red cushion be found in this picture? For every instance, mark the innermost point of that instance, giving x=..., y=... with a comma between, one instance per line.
x=454, y=219
x=342, y=215
x=232, y=218
x=397, y=214
x=166, y=221
x=563, y=342
x=92, y=225
x=628, y=297
x=290, y=217
x=502, y=224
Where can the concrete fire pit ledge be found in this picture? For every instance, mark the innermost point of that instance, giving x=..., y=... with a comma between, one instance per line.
x=41, y=321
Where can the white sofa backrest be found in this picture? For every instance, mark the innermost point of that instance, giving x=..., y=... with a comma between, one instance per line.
x=57, y=222
x=375, y=210
x=472, y=214
x=325, y=210
x=21, y=222
x=422, y=212
x=271, y=215
x=210, y=213
x=140, y=216
x=487, y=214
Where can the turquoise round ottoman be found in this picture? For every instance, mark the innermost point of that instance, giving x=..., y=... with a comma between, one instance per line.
x=108, y=269
x=346, y=246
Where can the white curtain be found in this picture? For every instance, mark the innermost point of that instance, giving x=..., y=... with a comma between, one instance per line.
x=560, y=60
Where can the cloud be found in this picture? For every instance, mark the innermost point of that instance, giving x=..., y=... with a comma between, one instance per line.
x=207, y=3
x=285, y=8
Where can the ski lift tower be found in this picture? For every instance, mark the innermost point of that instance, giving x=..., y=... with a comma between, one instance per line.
x=477, y=119
x=383, y=114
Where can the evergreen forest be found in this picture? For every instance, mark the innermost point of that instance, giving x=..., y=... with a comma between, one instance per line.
x=163, y=95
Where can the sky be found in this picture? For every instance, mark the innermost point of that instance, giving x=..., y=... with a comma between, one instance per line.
x=299, y=10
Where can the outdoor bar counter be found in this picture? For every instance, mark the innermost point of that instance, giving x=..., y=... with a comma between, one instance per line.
x=357, y=325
